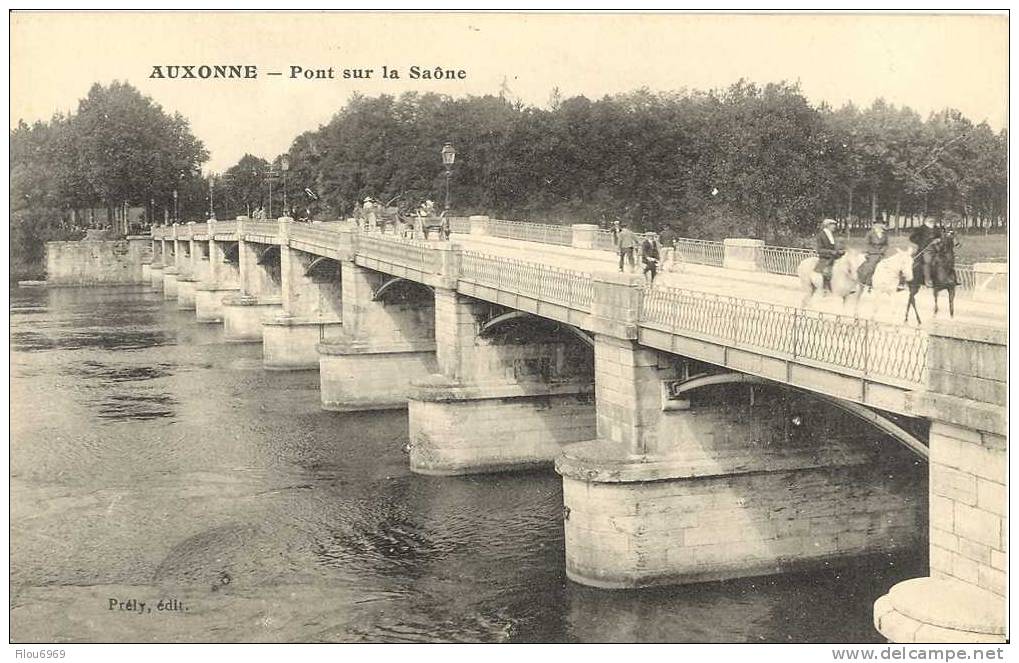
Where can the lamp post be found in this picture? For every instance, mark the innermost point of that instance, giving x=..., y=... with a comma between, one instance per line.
x=212, y=184
x=285, y=166
x=175, y=211
x=448, y=157
x=271, y=174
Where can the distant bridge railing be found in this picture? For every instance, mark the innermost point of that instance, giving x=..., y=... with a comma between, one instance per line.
x=410, y=253
x=701, y=252
x=199, y=229
x=771, y=259
x=782, y=259
x=567, y=287
x=887, y=353
x=966, y=277
x=459, y=224
x=543, y=233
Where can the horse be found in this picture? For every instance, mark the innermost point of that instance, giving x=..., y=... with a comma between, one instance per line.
x=843, y=276
x=942, y=275
x=889, y=275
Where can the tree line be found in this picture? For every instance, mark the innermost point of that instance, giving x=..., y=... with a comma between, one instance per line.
x=119, y=150
x=747, y=160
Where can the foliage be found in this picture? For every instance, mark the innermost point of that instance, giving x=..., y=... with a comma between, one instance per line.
x=746, y=160
x=120, y=148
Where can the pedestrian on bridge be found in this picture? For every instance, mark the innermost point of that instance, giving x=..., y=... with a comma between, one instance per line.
x=627, y=243
x=651, y=256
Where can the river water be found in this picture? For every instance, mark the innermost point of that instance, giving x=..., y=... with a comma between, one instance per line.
x=151, y=461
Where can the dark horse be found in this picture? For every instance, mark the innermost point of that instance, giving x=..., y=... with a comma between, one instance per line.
x=942, y=274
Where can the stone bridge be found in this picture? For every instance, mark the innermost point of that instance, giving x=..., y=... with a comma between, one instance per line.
x=705, y=428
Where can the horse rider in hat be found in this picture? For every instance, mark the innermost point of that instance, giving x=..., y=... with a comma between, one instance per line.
x=827, y=251
x=926, y=239
x=877, y=245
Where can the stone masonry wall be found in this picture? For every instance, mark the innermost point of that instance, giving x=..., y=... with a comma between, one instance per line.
x=968, y=460
x=116, y=262
x=628, y=392
x=969, y=501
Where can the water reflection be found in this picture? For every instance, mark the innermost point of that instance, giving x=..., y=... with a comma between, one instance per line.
x=148, y=459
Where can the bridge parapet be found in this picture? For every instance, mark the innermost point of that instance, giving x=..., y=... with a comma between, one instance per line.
x=261, y=231
x=419, y=256
x=226, y=230
x=890, y=354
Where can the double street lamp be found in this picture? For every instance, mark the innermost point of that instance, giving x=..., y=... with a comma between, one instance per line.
x=448, y=157
x=285, y=166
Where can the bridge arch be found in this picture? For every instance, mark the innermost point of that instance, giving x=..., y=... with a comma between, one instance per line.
x=492, y=324
x=270, y=254
x=231, y=252
x=323, y=267
x=399, y=288
x=884, y=424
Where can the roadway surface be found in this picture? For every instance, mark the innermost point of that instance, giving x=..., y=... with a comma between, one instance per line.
x=756, y=286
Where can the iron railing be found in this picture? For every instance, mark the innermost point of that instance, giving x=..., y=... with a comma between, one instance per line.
x=782, y=259
x=874, y=350
x=459, y=224
x=966, y=277
x=411, y=253
x=567, y=287
x=531, y=232
x=700, y=252
x=604, y=240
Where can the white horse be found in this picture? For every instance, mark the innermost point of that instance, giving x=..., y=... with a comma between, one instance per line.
x=889, y=276
x=843, y=277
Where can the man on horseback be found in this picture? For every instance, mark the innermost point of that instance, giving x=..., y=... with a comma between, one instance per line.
x=877, y=244
x=925, y=239
x=827, y=252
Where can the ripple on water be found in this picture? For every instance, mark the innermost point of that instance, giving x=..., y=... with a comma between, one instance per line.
x=147, y=452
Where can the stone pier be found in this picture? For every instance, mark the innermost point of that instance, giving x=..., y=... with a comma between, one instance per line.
x=196, y=263
x=505, y=399
x=259, y=296
x=154, y=274
x=963, y=598
x=730, y=480
x=387, y=340
x=221, y=278
x=311, y=303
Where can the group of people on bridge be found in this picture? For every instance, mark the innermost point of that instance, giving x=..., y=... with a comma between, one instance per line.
x=374, y=215
x=924, y=239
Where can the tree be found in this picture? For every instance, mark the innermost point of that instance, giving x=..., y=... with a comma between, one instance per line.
x=129, y=151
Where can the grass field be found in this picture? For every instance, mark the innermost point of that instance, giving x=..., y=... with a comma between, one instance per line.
x=971, y=248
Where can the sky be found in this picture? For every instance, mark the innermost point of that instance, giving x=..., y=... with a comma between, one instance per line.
x=927, y=62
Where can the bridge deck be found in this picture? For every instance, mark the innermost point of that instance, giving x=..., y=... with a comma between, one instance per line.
x=747, y=321
x=758, y=286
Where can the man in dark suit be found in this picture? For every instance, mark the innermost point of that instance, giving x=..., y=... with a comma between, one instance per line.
x=827, y=251
x=650, y=255
x=925, y=239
